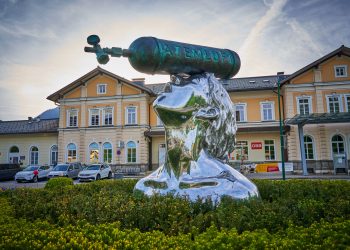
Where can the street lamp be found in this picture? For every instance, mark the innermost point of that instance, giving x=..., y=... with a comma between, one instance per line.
x=281, y=127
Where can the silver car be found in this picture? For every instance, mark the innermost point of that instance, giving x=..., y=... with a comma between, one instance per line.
x=95, y=172
x=33, y=173
x=70, y=170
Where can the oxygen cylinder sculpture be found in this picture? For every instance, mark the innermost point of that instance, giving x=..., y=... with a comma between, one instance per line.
x=197, y=113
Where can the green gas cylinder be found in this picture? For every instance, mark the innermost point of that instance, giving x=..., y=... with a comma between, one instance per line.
x=157, y=56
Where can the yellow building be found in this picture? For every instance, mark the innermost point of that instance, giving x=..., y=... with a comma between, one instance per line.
x=30, y=142
x=317, y=106
x=106, y=118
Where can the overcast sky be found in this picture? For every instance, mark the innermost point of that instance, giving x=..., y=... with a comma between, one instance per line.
x=42, y=41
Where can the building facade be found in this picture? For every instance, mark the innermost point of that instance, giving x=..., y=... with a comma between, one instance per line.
x=106, y=118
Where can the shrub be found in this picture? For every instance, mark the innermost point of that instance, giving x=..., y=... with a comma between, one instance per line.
x=59, y=183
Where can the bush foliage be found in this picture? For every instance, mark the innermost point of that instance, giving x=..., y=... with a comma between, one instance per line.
x=59, y=183
x=290, y=214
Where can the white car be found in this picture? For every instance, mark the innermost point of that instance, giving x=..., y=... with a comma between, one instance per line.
x=33, y=173
x=95, y=172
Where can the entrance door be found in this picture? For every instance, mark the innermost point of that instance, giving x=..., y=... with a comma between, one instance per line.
x=14, y=155
x=161, y=154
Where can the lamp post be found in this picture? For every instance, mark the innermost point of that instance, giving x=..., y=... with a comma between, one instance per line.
x=281, y=127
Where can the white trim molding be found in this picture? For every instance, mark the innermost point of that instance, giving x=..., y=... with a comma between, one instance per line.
x=343, y=68
x=98, y=90
x=309, y=98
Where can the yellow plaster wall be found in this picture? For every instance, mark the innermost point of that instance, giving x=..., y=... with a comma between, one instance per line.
x=153, y=116
x=253, y=100
x=101, y=79
x=127, y=90
x=76, y=93
x=306, y=77
x=327, y=69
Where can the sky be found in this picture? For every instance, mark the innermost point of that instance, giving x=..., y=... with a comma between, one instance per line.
x=42, y=41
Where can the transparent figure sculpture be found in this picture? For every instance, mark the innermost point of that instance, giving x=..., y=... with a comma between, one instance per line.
x=200, y=128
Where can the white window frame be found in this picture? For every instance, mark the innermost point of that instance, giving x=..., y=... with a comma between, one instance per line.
x=345, y=71
x=274, y=147
x=51, y=151
x=309, y=98
x=262, y=111
x=98, y=88
x=30, y=155
x=340, y=102
x=244, y=111
x=347, y=96
x=68, y=118
x=126, y=152
x=313, y=147
x=127, y=116
x=235, y=150
x=76, y=151
x=90, y=117
x=103, y=152
x=344, y=143
x=104, y=113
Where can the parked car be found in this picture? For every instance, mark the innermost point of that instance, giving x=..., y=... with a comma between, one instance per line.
x=95, y=172
x=70, y=170
x=8, y=171
x=33, y=173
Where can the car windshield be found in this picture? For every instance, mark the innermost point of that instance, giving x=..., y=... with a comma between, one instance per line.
x=30, y=168
x=93, y=167
x=61, y=168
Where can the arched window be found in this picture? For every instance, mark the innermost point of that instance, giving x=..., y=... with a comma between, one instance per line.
x=131, y=152
x=309, y=148
x=338, y=146
x=71, y=152
x=14, y=149
x=34, y=156
x=53, y=155
x=107, y=152
x=93, y=152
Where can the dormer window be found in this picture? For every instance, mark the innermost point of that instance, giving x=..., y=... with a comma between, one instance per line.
x=101, y=89
x=341, y=70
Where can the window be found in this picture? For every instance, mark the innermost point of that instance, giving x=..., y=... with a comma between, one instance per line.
x=108, y=116
x=347, y=102
x=131, y=115
x=14, y=149
x=72, y=118
x=341, y=70
x=241, y=151
x=131, y=152
x=53, y=155
x=94, y=117
x=304, y=105
x=71, y=152
x=34, y=156
x=107, y=152
x=267, y=111
x=338, y=146
x=93, y=153
x=240, y=112
x=309, y=148
x=269, y=150
x=334, y=104
x=101, y=89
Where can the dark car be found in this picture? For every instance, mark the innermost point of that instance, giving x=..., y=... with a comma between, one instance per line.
x=8, y=171
x=70, y=170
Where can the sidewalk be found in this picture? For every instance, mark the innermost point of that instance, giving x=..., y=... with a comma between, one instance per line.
x=278, y=176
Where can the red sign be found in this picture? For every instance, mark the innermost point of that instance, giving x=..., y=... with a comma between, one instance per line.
x=256, y=145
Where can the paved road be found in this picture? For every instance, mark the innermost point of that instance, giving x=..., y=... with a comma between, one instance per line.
x=13, y=184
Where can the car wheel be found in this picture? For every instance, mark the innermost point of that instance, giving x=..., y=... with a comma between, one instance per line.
x=35, y=178
x=110, y=175
x=98, y=177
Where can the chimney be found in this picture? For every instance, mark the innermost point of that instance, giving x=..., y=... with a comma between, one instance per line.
x=138, y=81
x=30, y=118
x=280, y=73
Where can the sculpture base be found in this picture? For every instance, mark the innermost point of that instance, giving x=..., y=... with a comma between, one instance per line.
x=207, y=178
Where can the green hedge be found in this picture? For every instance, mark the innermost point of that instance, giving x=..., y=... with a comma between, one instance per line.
x=59, y=183
x=299, y=202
